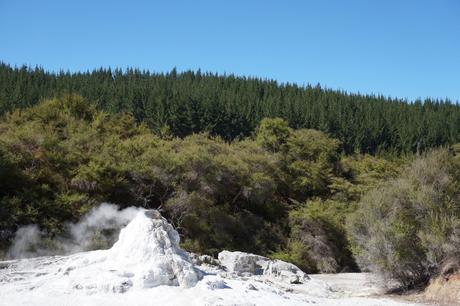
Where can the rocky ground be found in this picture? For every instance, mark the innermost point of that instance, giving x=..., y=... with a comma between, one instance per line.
x=147, y=267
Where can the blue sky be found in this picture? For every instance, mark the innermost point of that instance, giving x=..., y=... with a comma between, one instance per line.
x=399, y=48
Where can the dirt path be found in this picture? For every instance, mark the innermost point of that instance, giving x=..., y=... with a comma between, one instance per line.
x=364, y=285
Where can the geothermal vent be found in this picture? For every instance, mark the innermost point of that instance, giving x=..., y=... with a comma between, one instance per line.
x=149, y=248
x=146, y=255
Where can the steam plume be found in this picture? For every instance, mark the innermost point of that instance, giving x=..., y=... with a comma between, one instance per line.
x=96, y=230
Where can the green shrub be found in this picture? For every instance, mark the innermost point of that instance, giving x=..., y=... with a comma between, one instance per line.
x=407, y=228
x=62, y=157
x=317, y=241
x=272, y=134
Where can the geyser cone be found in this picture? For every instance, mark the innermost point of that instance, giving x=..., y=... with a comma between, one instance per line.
x=149, y=246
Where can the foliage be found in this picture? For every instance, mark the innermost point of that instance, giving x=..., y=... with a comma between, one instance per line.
x=232, y=107
x=410, y=226
x=365, y=172
x=272, y=134
x=282, y=192
x=312, y=163
x=318, y=242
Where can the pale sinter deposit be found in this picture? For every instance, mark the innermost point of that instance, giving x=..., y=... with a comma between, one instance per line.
x=146, y=266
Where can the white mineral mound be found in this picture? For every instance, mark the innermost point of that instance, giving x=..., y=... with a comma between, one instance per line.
x=146, y=255
x=146, y=266
x=148, y=247
x=244, y=264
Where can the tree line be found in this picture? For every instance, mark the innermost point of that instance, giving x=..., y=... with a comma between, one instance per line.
x=231, y=107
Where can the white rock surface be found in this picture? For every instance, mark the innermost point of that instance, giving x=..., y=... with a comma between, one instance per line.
x=147, y=267
x=149, y=248
x=146, y=255
x=286, y=272
x=243, y=264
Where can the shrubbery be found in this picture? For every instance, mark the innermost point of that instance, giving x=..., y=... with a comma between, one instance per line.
x=62, y=157
x=407, y=228
x=317, y=241
x=283, y=193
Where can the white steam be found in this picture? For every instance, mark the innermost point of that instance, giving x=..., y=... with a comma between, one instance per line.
x=25, y=240
x=98, y=229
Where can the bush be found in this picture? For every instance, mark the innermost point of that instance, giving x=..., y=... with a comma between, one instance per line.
x=62, y=157
x=272, y=134
x=407, y=228
x=311, y=163
x=317, y=241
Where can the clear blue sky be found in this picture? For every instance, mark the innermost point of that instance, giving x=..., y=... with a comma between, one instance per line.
x=399, y=48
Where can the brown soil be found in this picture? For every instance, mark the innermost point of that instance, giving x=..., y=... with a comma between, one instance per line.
x=444, y=290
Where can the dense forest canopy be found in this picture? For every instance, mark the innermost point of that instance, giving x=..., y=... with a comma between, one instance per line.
x=181, y=104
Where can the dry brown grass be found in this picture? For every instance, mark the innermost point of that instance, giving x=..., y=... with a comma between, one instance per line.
x=444, y=290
